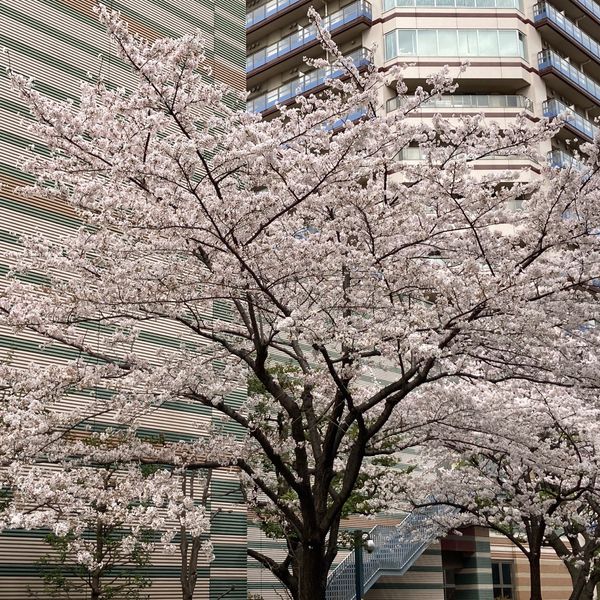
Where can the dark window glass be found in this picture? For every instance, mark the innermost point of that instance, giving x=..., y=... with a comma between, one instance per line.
x=495, y=574
x=502, y=580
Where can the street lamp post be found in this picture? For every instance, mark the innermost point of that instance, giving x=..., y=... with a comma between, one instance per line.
x=361, y=541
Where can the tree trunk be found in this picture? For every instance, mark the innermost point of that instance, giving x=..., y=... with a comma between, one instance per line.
x=312, y=571
x=188, y=584
x=536, y=528
x=589, y=589
x=189, y=566
x=96, y=591
x=96, y=579
x=583, y=588
x=535, y=575
x=187, y=593
x=95, y=587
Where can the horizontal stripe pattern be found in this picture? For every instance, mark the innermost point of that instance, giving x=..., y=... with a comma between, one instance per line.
x=59, y=43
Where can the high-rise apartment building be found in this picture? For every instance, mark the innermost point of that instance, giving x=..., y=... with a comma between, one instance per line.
x=60, y=43
x=542, y=58
x=539, y=58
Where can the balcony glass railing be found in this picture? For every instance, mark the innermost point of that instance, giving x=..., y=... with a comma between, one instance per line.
x=391, y=4
x=591, y=6
x=302, y=85
x=415, y=153
x=543, y=10
x=548, y=58
x=554, y=108
x=560, y=159
x=307, y=34
x=355, y=115
x=264, y=11
x=476, y=101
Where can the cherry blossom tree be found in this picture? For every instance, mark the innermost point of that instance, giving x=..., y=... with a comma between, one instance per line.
x=529, y=472
x=105, y=495
x=104, y=522
x=370, y=298
x=193, y=545
x=578, y=546
x=105, y=564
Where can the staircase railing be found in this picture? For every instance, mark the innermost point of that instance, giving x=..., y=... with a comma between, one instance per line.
x=396, y=550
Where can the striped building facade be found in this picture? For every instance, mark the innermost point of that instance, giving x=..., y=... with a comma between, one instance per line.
x=59, y=43
x=556, y=582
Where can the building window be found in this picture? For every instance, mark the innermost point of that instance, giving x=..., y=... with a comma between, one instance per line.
x=503, y=580
x=454, y=42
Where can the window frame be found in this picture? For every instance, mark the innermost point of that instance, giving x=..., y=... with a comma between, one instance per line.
x=469, y=43
x=499, y=585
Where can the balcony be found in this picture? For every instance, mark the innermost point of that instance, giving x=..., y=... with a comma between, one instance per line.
x=298, y=42
x=577, y=9
x=563, y=33
x=266, y=11
x=569, y=81
x=275, y=9
x=493, y=4
x=573, y=121
x=353, y=117
x=492, y=164
x=477, y=102
x=561, y=159
x=309, y=82
x=593, y=8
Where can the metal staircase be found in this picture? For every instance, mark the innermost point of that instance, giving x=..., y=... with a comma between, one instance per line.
x=396, y=550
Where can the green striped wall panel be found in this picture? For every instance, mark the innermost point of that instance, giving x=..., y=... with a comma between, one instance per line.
x=474, y=580
x=229, y=588
x=58, y=42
